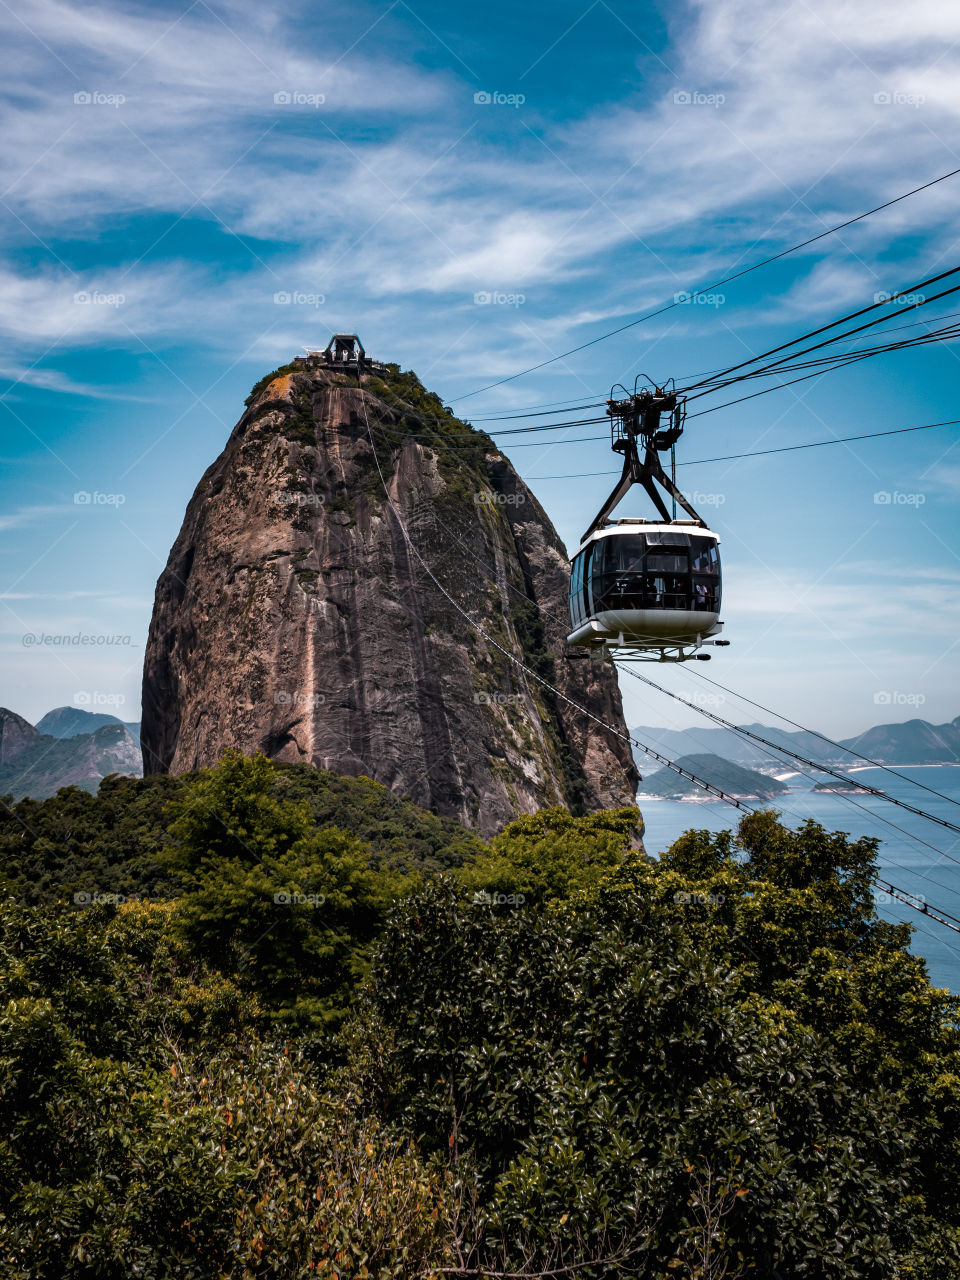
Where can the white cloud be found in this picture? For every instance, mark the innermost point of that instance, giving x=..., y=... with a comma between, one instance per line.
x=944, y=479
x=610, y=207
x=855, y=605
x=30, y=515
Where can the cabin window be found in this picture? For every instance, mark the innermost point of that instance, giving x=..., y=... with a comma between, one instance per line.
x=661, y=570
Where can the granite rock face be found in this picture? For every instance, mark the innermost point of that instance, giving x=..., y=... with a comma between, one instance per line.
x=16, y=736
x=353, y=576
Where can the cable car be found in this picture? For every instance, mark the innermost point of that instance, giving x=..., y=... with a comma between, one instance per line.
x=647, y=590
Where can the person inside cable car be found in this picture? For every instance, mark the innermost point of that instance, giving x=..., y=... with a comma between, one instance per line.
x=652, y=593
x=675, y=593
x=703, y=562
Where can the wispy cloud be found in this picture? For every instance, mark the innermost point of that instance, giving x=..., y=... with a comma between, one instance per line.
x=428, y=204
x=32, y=514
x=391, y=203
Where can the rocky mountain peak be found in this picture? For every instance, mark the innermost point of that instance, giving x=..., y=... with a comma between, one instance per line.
x=318, y=606
x=16, y=736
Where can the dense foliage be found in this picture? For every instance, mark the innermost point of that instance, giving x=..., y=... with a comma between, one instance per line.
x=112, y=842
x=351, y=1041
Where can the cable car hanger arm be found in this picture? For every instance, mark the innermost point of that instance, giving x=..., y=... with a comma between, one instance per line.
x=635, y=418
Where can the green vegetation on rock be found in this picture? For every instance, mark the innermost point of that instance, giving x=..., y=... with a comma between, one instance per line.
x=460, y=447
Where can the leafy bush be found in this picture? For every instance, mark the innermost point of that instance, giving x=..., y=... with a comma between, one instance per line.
x=114, y=842
x=76, y=842
x=291, y=910
x=141, y=1141
x=713, y=1060
x=556, y=1057
x=547, y=856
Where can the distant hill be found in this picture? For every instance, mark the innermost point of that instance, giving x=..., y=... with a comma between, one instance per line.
x=849, y=786
x=914, y=742
x=731, y=778
x=38, y=764
x=68, y=722
x=725, y=743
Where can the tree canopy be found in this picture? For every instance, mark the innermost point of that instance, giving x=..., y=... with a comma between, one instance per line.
x=348, y=1039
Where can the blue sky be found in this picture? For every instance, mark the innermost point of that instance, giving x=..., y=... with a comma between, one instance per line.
x=170, y=169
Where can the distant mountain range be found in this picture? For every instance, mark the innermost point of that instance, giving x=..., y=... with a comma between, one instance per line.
x=913, y=742
x=68, y=722
x=67, y=747
x=73, y=747
x=745, y=784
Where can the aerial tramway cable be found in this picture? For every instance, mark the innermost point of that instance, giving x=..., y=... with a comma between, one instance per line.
x=582, y=403
x=715, y=285
x=579, y=403
x=849, y=799
x=822, y=364
x=875, y=764
x=794, y=755
x=940, y=915
x=815, y=333
x=756, y=453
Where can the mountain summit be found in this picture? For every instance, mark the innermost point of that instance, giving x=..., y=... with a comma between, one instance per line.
x=354, y=577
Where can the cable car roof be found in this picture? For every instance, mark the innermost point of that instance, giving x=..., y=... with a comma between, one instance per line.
x=634, y=525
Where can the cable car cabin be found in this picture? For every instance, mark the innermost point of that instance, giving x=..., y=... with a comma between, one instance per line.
x=640, y=585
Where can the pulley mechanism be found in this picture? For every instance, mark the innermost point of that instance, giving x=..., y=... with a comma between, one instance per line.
x=643, y=426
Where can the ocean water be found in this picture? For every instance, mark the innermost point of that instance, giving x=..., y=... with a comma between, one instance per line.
x=904, y=861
